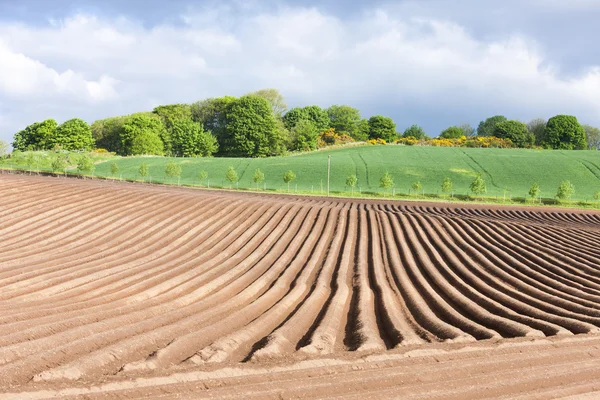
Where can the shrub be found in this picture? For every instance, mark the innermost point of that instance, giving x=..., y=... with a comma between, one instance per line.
x=565, y=191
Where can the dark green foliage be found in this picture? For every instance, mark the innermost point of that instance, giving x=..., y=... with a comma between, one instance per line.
x=37, y=136
x=252, y=130
x=169, y=115
x=516, y=131
x=346, y=119
x=564, y=132
x=381, y=127
x=74, y=134
x=141, y=134
x=453, y=132
x=188, y=139
x=107, y=133
x=488, y=127
x=304, y=136
x=315, y=114
x=212, y=114
x=537, y=127
x=415, y=131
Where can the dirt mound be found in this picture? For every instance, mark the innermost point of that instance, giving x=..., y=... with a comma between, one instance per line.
x=103, y=280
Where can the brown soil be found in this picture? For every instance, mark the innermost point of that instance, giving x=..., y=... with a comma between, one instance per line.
x=112, y=289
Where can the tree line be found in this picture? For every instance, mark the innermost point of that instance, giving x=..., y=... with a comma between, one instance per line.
x=259, y=124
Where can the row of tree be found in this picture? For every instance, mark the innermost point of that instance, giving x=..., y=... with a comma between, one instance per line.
x=259, y=125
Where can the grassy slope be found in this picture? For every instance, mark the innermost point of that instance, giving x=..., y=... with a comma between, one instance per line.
x=514, y=169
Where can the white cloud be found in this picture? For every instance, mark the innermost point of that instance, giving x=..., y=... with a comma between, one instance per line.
x=382, y=60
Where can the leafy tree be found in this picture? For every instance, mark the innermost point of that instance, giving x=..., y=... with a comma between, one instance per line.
x=172, y=170
x=3, y=148
x=386, y=181
x=231, y=176
x=304, y=135
x=593, y=137
x=516, y=131
x=107, y=133
x=315, y=114
x=415, y=131
x=468, y=130
x=212, y=114
x=275, y=99
x=114, y=169
x=564, y=132
x=381, y=127
x=30, y=160
x=202, y=175
x=363, y=129
x=288, y=177
x=169, y=114
x=478, y=186
x=488, y=127
x=74, y=134
x=351, y=181
x=453, y=132
x=37, y=136
x=143, y=171
x=534, y=192
x=565, y=190
x=190, y=140
x=58, y=165
x=536, y=128
x=417, y=187
x=346, y=119
x=85, y=165
x=258, y=177
x=447, y=185
x=252, y=129
x=141, y=134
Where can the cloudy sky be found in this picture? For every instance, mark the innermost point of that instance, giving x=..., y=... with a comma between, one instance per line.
x=431, y=62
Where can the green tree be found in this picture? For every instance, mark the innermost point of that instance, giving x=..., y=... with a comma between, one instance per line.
x=468, y=130
x=534, y=191
x=37, y=136
x=275, y=99
x=188, y=139
x=85, y=165
x=231, y=176
x=488, y=127
x=351, y=181
x=169, y=114
x=258, y=177
x=478, y=186
x=3, y=148
x=564, y=132
x=114, y=169
x=516, y=131
x=417, y=187
x=202, y=175
x=565, y=191
x=74, y=134
x=386, y=181
x=593, y=137
x=141, y=134
x=536, y=128
x=381, y=127
x=252, y=129
x=447, y=185
x=304, y=135
x=453, y=132
x=415, y=131
x=58, y=164
x=173, y=170
x=107, y=133
x=315, y=114
x=212, y=114
x=346, y=119
x=143, y=171
x=288, y=177
x=31, y=160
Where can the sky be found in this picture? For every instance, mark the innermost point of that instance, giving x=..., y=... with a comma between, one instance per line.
x=434, y=63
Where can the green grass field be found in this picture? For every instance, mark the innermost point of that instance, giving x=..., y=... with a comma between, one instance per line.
x=515, y=169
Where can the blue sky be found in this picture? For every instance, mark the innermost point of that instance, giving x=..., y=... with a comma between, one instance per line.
x=429, y=62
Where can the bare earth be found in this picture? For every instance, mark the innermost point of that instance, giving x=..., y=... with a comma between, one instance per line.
x=129, y=290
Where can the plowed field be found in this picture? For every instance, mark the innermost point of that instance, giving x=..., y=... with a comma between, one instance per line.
x=131, y=290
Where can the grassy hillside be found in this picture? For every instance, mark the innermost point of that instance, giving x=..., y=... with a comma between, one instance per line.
x=515, y=169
